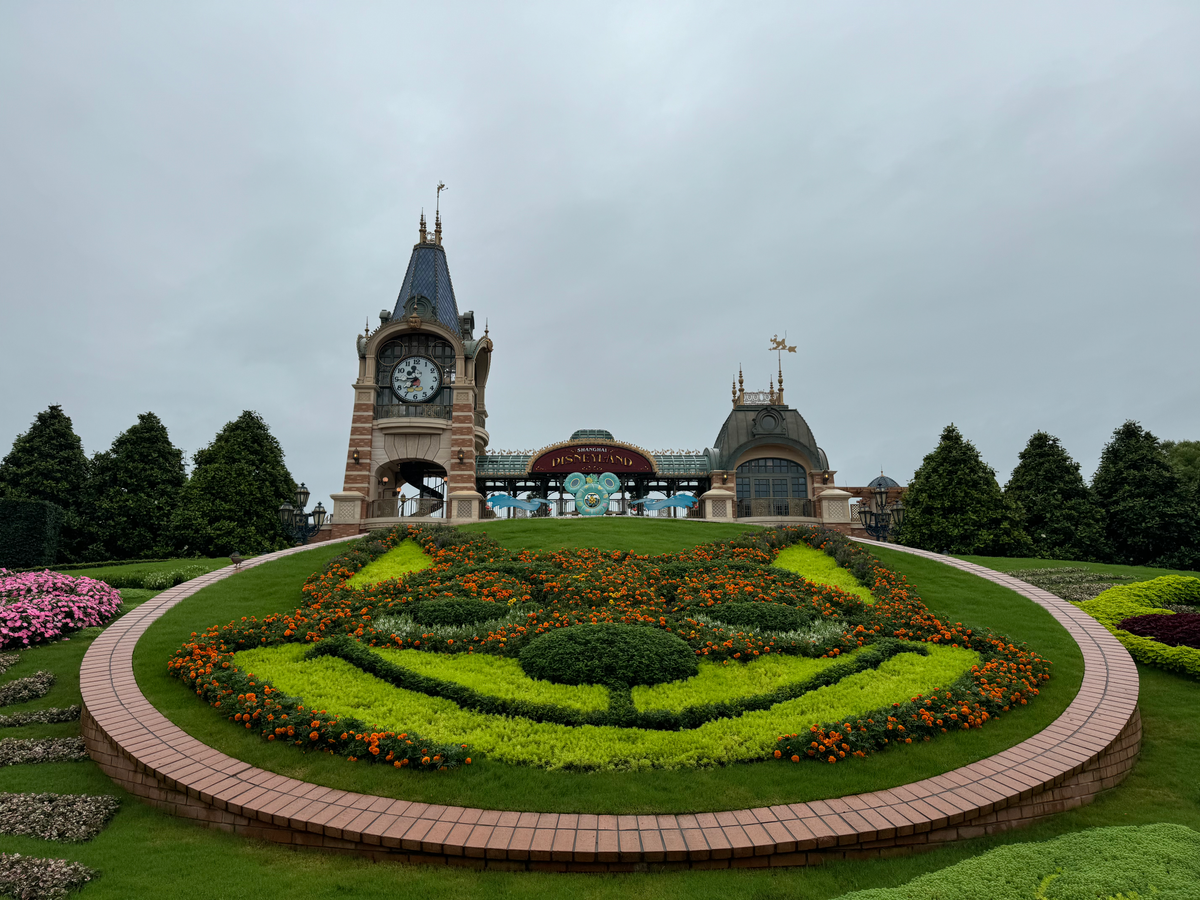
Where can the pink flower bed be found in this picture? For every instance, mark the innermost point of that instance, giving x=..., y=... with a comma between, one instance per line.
x=40, y=606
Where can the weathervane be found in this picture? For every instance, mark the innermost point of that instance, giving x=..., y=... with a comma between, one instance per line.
x=779, y=344
x=441, y=187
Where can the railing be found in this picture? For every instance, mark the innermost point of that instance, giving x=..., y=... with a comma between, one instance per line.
x=766, y=507
x=565, y=507
x=481, y=421
x=422, y=507
x=411, y=411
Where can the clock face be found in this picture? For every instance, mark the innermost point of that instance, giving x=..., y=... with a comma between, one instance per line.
x=416, y=379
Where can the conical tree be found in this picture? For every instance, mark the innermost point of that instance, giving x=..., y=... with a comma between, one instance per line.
x=48, y=463
x=231, y=502
x=954, y=504
x=1057, y=510
x=1150, y=516
x=134, y=491
x=1185, y=457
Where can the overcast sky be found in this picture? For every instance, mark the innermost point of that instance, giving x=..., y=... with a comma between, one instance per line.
x=980, y=213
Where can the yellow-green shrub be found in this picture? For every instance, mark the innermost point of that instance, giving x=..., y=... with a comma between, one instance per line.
x=400, y=560
x=818, y=566
x=1124, y=601
x=331, y=683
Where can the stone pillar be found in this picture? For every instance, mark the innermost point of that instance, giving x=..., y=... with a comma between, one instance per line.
x=357, y=477
x=462, y=498
x=347, y=514
x=835, y=506
x=719, y=503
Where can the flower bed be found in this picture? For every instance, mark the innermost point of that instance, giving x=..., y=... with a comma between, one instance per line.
x=42, y=606
x=20, y=751
x=1138, y=604
x=889, y=671
x=32, y=878
x=56, y=817
x=22, y=690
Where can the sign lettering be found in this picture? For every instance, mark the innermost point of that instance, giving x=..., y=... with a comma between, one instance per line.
x=589, y=459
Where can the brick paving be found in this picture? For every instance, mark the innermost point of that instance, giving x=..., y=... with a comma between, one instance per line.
x=1088, y=749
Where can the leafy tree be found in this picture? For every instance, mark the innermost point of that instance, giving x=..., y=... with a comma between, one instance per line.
x=48, y=463
x=134, y=490
x=1185, y=457
x=955, y=505
x=231, y=502
x=1057, y=509
x=1150, y=515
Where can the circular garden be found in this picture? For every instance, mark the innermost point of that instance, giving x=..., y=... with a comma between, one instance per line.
x=611, y=680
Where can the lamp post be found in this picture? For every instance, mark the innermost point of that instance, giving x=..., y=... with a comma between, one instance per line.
x=295, y=519
x=878, y=518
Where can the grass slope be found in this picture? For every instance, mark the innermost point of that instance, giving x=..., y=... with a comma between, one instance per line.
x=275, y=587
x=1017, y=563
x=170, y=565
x=646, y=536
x=145, y=852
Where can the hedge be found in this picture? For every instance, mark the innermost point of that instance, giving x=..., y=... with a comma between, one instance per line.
x=29, y=531
x=1140, y=861
x=621, y=711
x=1126, y=601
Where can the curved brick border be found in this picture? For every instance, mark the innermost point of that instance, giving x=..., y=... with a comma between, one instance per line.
x=1090, y=748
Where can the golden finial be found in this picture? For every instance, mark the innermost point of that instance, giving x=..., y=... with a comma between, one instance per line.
x=424, y=235
x=733, y=390
x=771, y=393
x=367, y=328
x=780, y=397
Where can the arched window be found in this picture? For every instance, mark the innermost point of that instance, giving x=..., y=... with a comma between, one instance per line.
x=440, y=351
x=773, y=481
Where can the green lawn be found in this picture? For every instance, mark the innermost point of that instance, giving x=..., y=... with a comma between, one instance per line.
x=147, y=853
x=275, y=587
x=1016, y=564
x=647, y=536
x=145, y=568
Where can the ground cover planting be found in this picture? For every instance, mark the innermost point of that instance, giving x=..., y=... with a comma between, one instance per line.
x=1126, y=862
x=616, y=620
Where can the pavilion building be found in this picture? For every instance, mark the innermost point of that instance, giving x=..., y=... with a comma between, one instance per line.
x=419, y=444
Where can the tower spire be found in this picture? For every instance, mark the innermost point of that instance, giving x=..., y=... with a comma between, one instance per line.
x=423, y=237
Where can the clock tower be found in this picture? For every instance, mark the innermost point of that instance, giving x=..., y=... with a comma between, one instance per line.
x=419, y=417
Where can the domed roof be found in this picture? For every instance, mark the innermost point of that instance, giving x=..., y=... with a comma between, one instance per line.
x=883, y=482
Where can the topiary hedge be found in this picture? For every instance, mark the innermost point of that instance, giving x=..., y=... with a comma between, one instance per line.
x=762, y=616
x=1127, y=601
x=609, y=653
x=29, y=531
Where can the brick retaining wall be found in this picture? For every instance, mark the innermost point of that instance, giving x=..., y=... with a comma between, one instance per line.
x=1088, y=749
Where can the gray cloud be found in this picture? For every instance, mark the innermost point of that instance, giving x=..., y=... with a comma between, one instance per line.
x=980, y=214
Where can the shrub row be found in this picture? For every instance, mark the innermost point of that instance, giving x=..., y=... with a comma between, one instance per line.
x=621, y=711
x=520, y=741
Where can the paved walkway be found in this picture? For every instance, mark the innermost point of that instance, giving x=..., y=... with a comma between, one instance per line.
x=1089, y=748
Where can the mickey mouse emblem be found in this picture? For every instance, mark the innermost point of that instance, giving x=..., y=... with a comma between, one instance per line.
x=591, y=491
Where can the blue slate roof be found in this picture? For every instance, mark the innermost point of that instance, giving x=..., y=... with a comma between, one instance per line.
x=883, y=481
x=428, y=276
